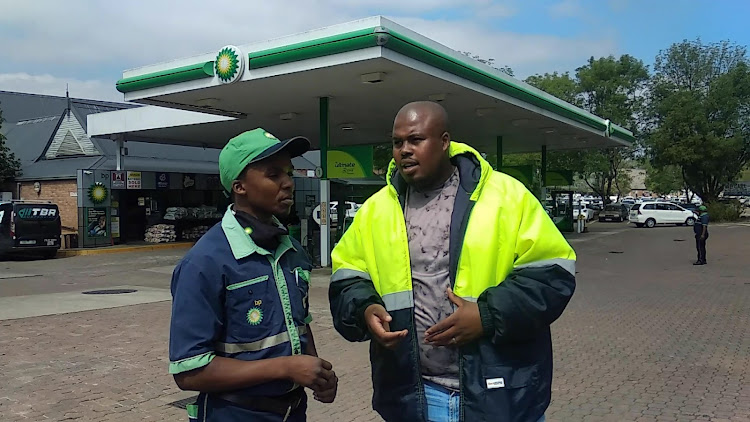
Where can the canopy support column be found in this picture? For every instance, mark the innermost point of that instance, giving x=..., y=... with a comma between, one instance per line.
x=499, y=152
x=120, y=141
x=325, y=185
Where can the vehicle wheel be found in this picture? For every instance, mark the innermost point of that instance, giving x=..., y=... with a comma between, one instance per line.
x=690, y=221
x=601, y=220
x=650, y=223
x=50, y=254
x=639, y=225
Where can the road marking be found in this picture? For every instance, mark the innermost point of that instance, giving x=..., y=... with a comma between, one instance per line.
x=15, y=307
x=168, y=269
x=16, y=275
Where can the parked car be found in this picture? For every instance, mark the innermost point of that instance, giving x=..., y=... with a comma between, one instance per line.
x=30, y=227
x=614, y=212
x=351, y=209
x=650, y=214
x=583, y=208
x=689, y=207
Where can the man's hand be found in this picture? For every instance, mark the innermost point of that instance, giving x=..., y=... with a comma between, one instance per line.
x=378, y=322
x=327, y=393
x=464, y=326
x=311, y=372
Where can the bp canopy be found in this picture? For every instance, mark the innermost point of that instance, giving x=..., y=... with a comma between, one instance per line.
x=367, y=70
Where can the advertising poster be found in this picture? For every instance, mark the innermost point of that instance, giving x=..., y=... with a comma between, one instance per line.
x=96, y=222
x=162, y=180
x=134, y=180
x=114, y=226
x=118, y=180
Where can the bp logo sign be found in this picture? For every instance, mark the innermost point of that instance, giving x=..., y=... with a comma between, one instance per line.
x=98, y=193
x=229, y=64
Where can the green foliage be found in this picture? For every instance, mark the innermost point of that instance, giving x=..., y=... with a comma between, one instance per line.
x=608, y=87
x=725, y=211
x=10, y=167
x=663, y=180
x=701, y=114
x=382, y=155
x=489, y=62
x=561, y=85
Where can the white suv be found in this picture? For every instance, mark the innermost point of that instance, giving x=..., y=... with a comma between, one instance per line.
x=650, y=214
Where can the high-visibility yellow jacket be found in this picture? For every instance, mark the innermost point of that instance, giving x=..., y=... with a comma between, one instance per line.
x=505, y=254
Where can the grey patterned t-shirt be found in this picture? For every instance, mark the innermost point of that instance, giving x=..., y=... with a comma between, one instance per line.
x=428, y=224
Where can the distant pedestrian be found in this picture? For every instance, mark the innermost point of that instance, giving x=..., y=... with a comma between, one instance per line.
x=701, y=234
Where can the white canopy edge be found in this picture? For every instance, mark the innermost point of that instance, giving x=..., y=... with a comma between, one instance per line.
x=146, y=118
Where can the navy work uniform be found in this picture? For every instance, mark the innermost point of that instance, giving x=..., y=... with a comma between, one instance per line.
x=233, y=298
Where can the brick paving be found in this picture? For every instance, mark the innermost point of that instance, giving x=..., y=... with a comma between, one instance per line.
x=647, y=337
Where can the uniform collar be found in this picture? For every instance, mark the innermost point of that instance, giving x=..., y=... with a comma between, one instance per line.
x=242, y=245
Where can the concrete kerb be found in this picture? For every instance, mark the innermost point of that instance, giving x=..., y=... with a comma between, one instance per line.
x=66, y=253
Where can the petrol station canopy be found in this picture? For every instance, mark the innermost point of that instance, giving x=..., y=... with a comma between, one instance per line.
x=367, y=69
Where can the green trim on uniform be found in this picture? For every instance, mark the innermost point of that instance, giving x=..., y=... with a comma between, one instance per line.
x=242, y=246
x=192, y=411
x=286, y=303
x=241, y=243
x=308, y=318
x=188, y=364
x=247, y=283
x=303, y=274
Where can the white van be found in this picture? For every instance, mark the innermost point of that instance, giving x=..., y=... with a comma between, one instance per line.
x=650, y=214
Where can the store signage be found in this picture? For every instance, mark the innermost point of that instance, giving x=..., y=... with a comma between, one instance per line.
x=162, y=180
x=229, y=64
x=350, y=163
x=118, y=180
x=98, y=193
x=134, y=180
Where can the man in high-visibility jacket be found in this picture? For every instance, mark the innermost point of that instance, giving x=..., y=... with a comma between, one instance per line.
x=455, y=272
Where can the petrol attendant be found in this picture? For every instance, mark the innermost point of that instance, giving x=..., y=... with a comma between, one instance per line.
x=455, y=272
x=239, y=331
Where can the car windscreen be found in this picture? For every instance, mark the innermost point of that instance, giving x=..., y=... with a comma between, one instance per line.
x=635, y=207
x=612, y=208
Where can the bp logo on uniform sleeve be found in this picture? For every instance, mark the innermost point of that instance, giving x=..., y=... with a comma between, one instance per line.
x=254, y=316
x=229, y=64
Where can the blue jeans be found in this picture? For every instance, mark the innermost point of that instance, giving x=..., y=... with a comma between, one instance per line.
x=443, y=404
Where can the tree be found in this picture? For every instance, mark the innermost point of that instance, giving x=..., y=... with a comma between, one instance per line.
x=664, y=180
x=10, y=167
x=561, y=85
x=701, y=114
x=606, y=87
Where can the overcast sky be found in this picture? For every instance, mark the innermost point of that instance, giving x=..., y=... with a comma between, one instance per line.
x=45, y=44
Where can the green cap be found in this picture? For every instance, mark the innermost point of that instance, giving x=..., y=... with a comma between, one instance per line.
x=702, y=208
x=253, y=146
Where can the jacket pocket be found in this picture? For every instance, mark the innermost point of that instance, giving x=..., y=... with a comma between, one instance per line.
x=509, y=390
x=235, y=286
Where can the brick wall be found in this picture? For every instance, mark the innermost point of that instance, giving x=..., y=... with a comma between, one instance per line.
x=57, y=191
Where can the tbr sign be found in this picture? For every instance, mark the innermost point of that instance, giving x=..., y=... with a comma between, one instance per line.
x=37, y=213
